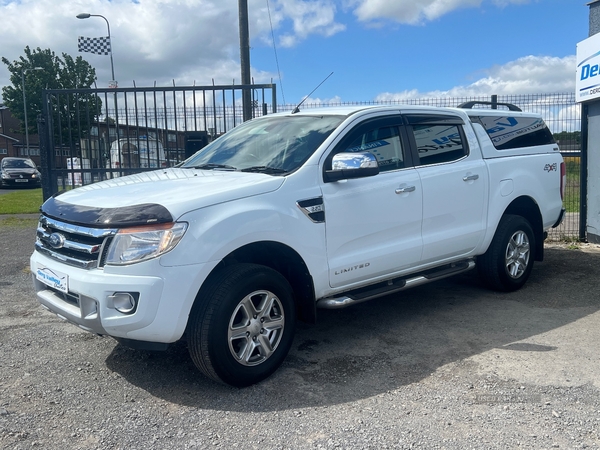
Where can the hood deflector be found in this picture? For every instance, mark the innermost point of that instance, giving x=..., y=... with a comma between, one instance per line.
x=125, y=216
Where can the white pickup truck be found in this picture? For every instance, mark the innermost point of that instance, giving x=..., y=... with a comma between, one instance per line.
x=293, y=212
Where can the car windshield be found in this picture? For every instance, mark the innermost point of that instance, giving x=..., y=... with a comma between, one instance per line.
x=273, y=145
x=17, y=164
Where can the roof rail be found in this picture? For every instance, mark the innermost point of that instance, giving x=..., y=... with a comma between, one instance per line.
x=469, y=105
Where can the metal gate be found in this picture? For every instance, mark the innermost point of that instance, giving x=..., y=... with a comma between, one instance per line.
x=88, y=135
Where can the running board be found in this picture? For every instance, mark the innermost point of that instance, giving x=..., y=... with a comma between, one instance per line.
x=395, y=285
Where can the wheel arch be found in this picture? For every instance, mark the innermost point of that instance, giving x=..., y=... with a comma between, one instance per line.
x=528, y=208
x=284, y=260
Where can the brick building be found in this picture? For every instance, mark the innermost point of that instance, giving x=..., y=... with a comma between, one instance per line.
x=12, y=141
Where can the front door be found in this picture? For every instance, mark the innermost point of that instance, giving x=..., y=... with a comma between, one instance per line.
x=373, y=224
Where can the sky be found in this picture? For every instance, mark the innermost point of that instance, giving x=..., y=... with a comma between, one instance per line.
x=376, y=49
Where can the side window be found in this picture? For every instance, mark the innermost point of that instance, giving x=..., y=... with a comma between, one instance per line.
x=439, y=143
x=379, y=137
x=508, y=132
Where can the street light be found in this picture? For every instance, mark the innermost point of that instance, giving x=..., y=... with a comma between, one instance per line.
x=23, y=72
x=87, y=16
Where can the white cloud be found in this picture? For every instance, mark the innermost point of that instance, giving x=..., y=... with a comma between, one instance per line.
x=527, y=75
x=408, y=12
x=308, y=17
x=415, y=12
x=160, y=40
x=503, y=3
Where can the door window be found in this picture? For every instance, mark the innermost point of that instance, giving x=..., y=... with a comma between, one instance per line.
x=381, y=137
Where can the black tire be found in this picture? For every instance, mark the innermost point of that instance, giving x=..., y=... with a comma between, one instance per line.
x=225, y=342
x=507, y=263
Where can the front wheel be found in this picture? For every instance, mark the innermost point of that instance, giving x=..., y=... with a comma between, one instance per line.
x=507, y=263
x=242, y=326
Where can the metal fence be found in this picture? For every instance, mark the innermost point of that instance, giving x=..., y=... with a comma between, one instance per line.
x=88, y=135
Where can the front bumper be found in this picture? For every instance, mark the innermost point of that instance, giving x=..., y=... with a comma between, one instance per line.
x=21, y=182
x=163, y=305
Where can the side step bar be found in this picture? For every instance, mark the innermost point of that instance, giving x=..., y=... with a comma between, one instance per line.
x=395, y=285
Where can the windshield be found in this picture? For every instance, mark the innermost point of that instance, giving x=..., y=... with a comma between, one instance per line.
x=271, y=144
x=18, y=164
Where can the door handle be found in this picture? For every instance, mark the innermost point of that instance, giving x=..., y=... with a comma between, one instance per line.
x=471, y=177
x=403, y=190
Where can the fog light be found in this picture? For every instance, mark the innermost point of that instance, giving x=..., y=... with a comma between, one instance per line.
x=125, y=302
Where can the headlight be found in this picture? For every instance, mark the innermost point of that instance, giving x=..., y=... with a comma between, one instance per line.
x=132, y=245
x=5, y=175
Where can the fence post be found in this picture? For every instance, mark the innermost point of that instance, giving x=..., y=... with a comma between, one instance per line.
x=44, y=159
x=583, y=173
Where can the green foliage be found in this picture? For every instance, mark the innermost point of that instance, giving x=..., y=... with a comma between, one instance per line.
x=55, y=73
x=25, y=201
x=568, y=136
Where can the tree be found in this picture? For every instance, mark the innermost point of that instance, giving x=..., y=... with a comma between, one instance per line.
x=55, y=73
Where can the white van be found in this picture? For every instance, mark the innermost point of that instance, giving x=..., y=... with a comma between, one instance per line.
x=136, y=152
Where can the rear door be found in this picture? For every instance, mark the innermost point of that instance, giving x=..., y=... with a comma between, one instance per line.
x=454, y=181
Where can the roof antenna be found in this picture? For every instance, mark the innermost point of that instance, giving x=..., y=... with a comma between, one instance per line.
x=297, y=108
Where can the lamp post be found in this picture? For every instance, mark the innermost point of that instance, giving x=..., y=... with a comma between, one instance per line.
x=23, y=72
x=87, y=16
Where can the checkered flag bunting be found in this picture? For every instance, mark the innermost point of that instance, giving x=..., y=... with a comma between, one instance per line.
x=99, y=46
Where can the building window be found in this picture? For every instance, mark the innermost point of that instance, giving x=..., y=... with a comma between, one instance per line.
x=34, y=152
x=3, y=151
x=94, y=131
x=171, y=137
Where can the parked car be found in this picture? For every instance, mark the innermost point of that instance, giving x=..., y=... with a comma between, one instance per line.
x=17, y=172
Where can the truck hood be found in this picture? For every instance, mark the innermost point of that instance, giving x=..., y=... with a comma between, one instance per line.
x=167, y=192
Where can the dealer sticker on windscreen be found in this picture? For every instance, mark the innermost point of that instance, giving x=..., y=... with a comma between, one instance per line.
x=53, y=278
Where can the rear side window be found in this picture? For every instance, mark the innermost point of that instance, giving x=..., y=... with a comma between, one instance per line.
x=508, y=132
x=439, y=143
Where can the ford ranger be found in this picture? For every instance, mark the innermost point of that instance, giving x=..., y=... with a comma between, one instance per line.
x=292, y=212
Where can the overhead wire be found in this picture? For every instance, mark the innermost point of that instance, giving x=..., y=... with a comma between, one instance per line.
x=275, y=50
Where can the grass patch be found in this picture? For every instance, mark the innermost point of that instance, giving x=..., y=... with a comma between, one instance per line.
x=17, y=222
x=572, y=200
x=22, y=202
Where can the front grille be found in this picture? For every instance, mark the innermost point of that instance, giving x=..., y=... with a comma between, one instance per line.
x=71, y=244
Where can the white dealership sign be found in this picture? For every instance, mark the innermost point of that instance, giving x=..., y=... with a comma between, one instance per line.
x=587, y=84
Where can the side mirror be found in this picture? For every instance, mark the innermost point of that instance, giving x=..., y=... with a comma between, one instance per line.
x=352, y=165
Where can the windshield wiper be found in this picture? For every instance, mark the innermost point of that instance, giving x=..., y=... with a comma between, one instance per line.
x=263, y=169
x=211, y=166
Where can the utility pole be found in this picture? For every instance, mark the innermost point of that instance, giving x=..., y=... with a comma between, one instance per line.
x=245, y=58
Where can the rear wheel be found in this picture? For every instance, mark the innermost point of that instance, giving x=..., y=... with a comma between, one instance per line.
x=243, y=325
x=508, y=261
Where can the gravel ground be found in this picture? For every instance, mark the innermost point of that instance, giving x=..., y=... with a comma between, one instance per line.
x=450, y=365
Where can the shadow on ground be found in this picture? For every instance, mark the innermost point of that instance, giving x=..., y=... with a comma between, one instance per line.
x=388, y=343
